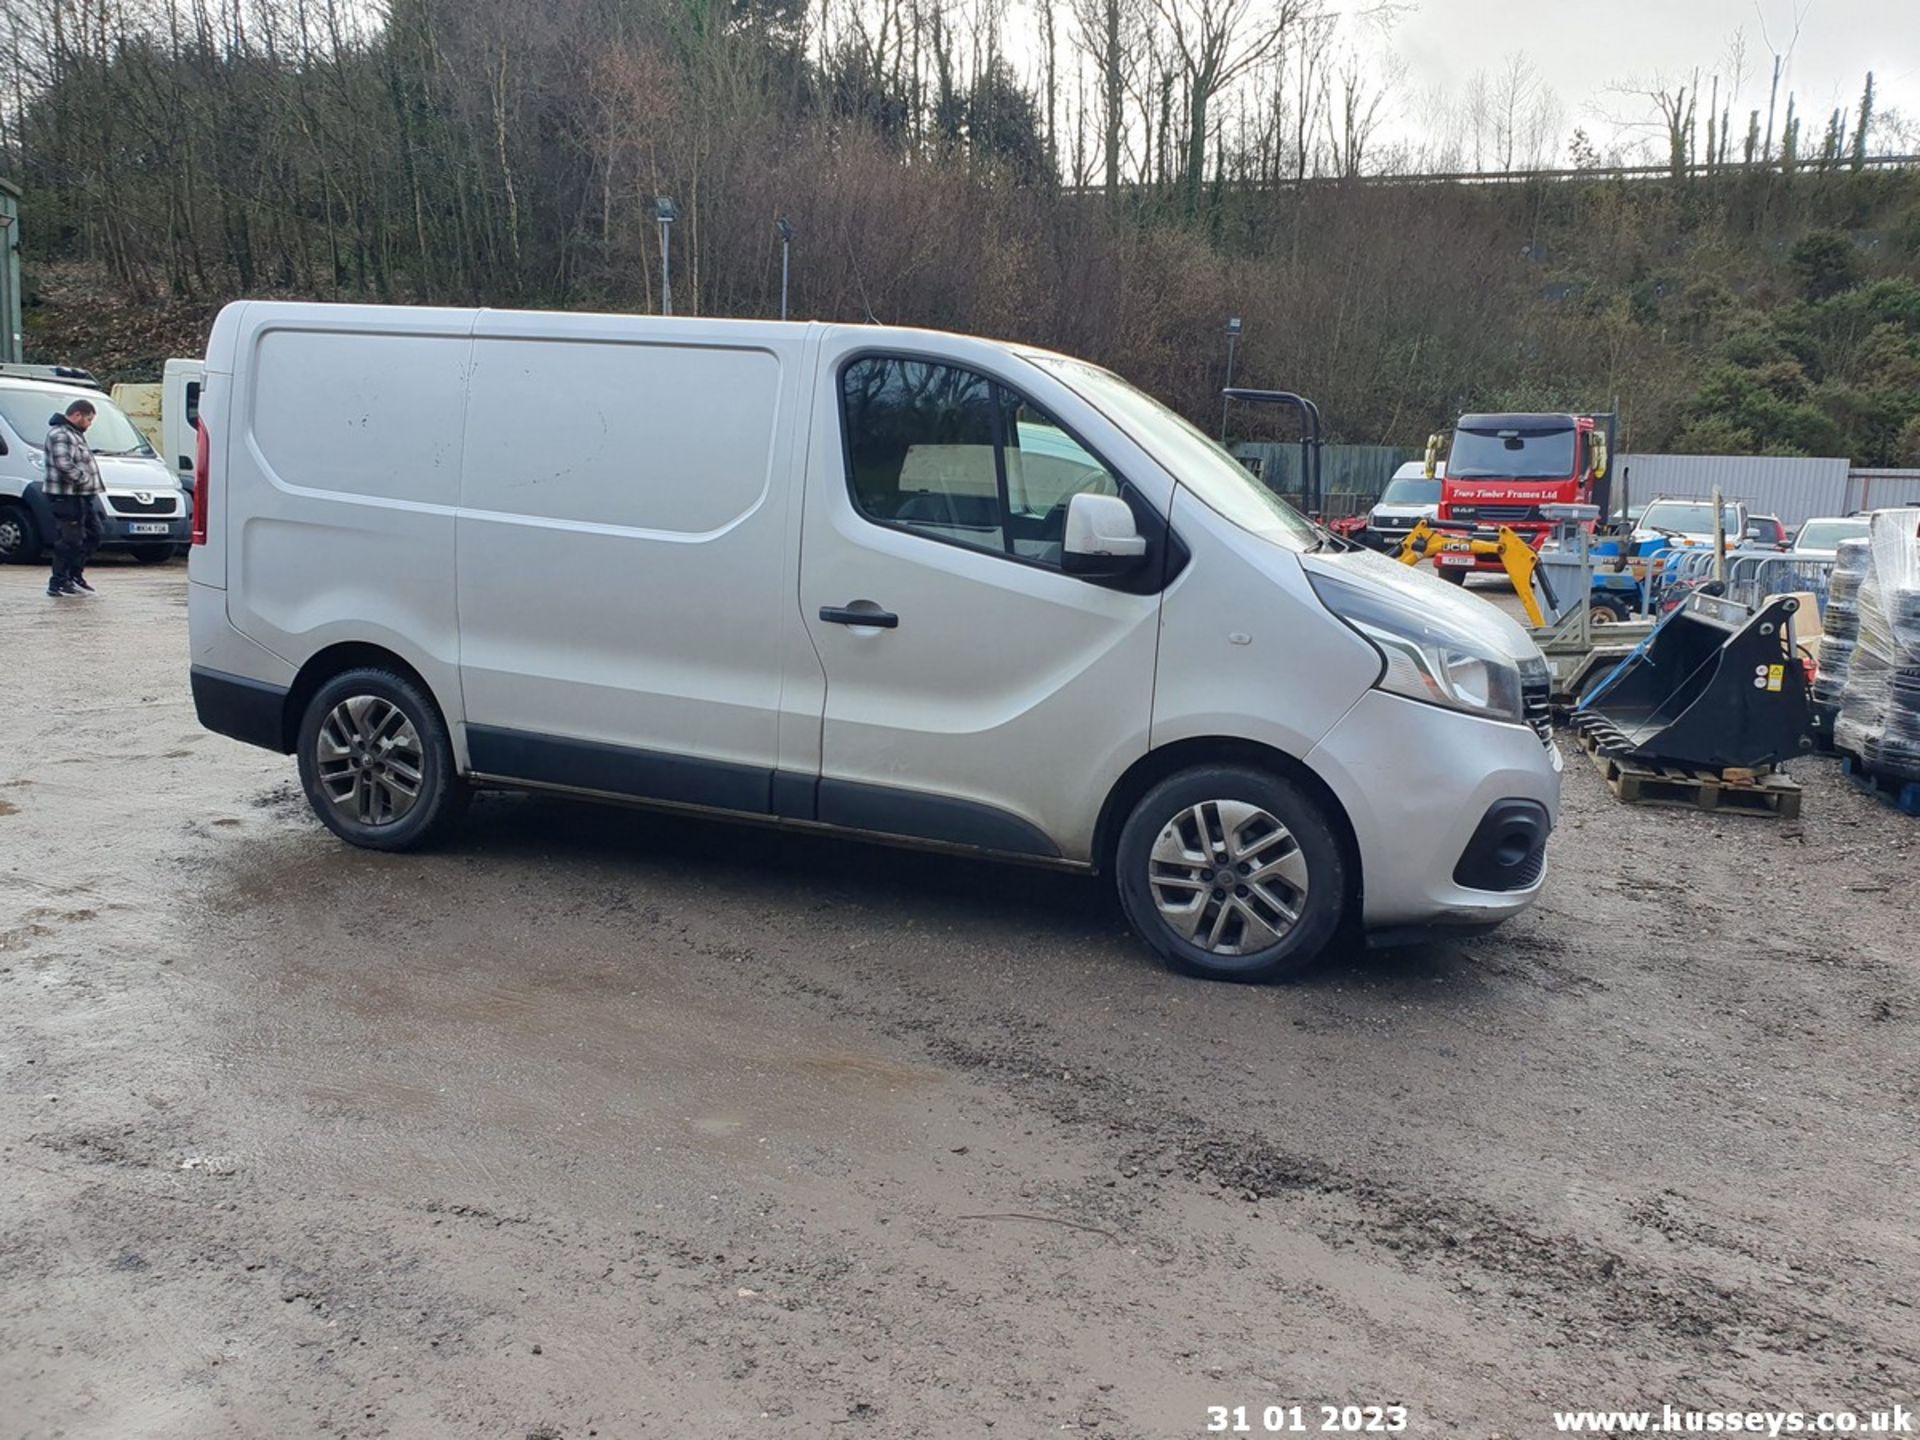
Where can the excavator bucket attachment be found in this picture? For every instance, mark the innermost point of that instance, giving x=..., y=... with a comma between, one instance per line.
x=1715, y=685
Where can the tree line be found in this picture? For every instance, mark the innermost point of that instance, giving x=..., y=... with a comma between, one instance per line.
x=1111, y=177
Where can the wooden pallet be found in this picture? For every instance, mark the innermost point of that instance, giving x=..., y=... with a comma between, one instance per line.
x=1729, y=792
x=1902, y=795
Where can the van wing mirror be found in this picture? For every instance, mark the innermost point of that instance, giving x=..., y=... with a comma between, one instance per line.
x=1101, y=537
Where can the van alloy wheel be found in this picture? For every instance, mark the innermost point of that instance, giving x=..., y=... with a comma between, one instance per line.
x=369, y=760
x=1228, y=877
x=377, y=763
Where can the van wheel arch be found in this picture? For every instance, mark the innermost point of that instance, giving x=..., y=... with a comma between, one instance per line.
x=1156, y=765
x=337, y=660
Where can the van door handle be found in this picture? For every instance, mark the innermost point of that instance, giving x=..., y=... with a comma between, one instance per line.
x=847, y=615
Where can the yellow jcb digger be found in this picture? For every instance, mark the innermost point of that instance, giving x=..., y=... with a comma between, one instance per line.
x=1515, y=555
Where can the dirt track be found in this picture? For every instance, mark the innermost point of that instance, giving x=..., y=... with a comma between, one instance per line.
x=602, y=1123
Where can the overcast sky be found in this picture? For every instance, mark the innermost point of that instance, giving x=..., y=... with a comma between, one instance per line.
x=1583, y=47
x=1589, y=50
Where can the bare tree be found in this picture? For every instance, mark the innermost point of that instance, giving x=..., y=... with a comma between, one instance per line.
x=1361, y=86
x=1782, y=59
x=1216, y=42
x=1674, y=109
x=1110, y=33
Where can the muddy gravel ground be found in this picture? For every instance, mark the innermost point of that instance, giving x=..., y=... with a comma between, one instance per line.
x=602, y=1123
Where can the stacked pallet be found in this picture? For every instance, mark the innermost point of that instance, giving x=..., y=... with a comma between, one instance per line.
x=1735, y=791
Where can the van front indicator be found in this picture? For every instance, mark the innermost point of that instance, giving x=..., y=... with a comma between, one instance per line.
x=1423, y=657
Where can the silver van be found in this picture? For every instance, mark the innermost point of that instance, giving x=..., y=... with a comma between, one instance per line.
x=917, y=587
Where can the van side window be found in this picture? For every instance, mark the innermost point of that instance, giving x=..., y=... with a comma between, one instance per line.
x=920, y=438
x=193, y=404
x=950, y=454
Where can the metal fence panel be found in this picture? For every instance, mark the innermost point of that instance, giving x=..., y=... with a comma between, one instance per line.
x=1753, y=577
x=1354, y=472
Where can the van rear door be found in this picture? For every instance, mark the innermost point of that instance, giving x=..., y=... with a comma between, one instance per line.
x=180, y=414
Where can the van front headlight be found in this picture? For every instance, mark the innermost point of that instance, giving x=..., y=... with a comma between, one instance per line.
x=1425, y=657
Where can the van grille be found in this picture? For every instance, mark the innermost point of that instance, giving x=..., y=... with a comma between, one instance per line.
x=162, y=502
x=1536, y=706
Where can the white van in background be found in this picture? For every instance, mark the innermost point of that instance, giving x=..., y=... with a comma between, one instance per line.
x=906, y=585
x=1410, y=497
x=143, y=511
x=167, y=413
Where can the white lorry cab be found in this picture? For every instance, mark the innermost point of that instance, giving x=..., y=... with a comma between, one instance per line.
x=905, y=585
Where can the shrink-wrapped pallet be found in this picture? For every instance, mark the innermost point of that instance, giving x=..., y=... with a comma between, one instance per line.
x=1879, y=718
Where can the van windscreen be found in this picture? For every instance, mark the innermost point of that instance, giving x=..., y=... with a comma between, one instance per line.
x=1218, y=480
x=1412, y=490
x=29, y=412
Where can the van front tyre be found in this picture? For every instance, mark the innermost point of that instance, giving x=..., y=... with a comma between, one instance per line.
x=19, y=536
x=377, y=764
x=1231, y=873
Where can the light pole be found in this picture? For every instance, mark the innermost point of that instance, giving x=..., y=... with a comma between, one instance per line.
x=1233, y=336
x=785, y=230
x=666, y=212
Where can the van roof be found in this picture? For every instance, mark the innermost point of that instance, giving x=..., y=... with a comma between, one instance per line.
x=78, y=389
x=243, y=316
x=50, y=374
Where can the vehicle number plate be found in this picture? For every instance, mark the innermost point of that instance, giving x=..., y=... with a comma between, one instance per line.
x=148, y=529
x=1456, y=559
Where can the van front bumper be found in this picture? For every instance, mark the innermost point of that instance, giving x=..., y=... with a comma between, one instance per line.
x=119, y=530
x=1435, y=798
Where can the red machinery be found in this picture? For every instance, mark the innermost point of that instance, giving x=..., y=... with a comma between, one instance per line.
x=1502, y=468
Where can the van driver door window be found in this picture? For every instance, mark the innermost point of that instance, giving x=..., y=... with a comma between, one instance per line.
x=947, y=453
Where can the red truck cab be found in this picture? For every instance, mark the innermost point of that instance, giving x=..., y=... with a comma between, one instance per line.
x=1502, y=468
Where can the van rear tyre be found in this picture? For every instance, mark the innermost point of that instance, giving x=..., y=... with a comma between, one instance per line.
x=1231, y=873
x=377, y=764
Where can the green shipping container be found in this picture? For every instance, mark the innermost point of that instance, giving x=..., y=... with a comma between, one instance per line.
x=10, y=335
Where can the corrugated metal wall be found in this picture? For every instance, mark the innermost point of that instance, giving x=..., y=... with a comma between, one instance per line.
x=1878, y=489
x=1795, y=489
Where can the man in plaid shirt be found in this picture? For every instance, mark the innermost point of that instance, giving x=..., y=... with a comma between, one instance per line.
x=72, y=488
